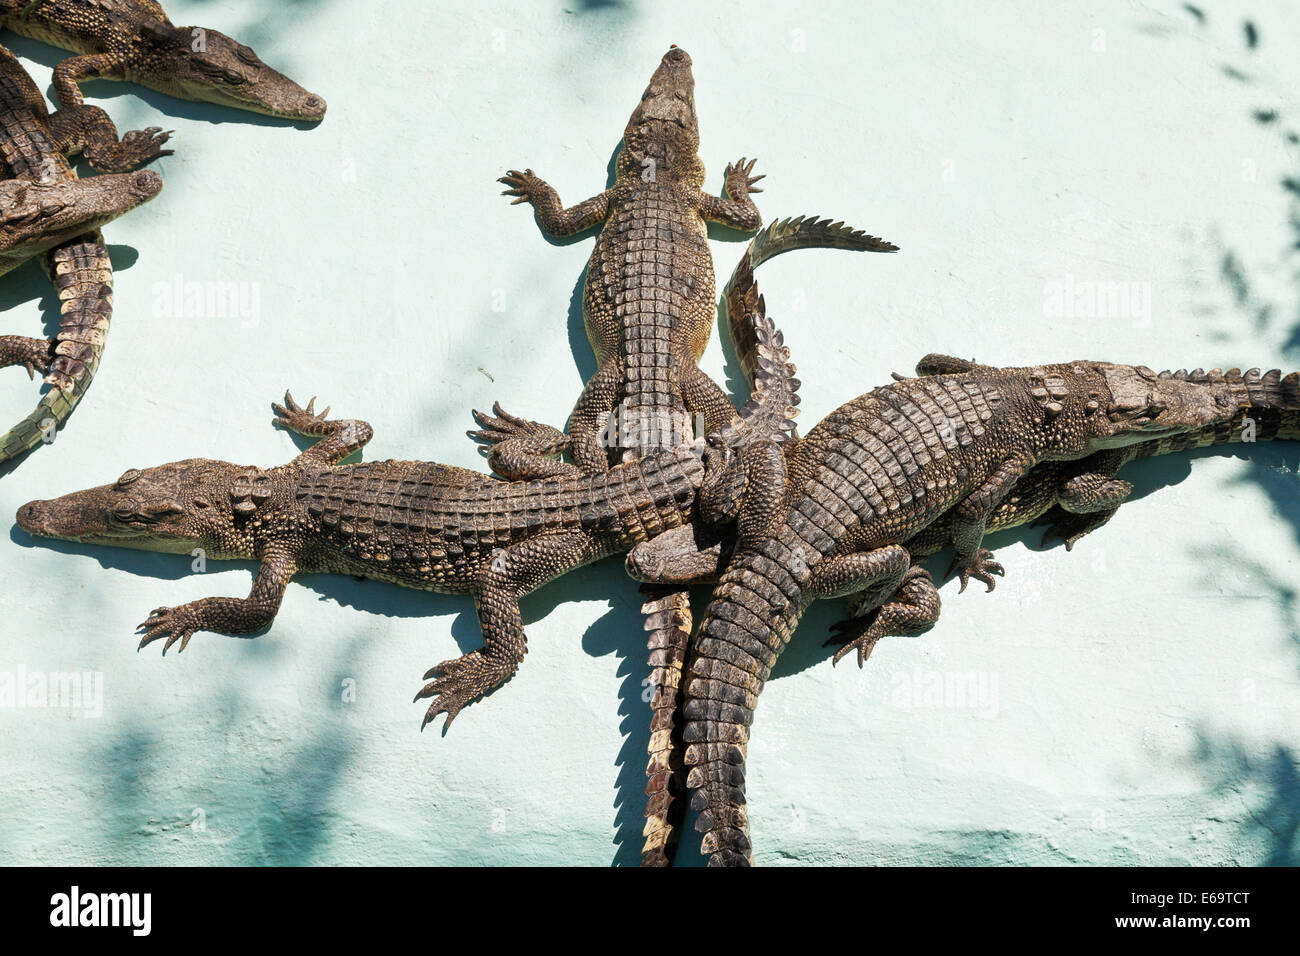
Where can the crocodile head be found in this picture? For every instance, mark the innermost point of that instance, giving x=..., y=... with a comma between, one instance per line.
x=195, y=63
x=35, y=216
x=1120, y=405
x=172, y=508
x=664, y=121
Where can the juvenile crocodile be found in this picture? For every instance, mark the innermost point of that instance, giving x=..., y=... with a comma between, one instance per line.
x=46, y=210
x=833, y=517
x=417, y=524
x=649, y=299
x=667, y=608
x=134, y=40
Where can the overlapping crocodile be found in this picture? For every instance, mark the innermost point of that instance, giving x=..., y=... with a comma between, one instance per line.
x=417, y=524
x=649, y=298
x=940, y=453
x=46, y=210
x=134, y=40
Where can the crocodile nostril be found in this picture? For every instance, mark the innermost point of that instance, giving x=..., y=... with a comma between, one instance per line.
x=29, y=515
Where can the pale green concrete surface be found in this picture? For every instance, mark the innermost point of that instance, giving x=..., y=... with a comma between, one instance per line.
x=1140, y=695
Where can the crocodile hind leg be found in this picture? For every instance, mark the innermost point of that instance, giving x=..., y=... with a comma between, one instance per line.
x=522, y=449
x=33, y=354
x=513, y=572
x=912, y=609
x=89, y=131
x=707, y=403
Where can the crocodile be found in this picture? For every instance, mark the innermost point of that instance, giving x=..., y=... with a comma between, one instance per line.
x=417, y=524
x=648, y=301
x=667, y=610
x=134, y=40
x=929, y=461
x=47, y=211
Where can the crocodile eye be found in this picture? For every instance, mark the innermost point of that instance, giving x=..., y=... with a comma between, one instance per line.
x=233, y=78
x=128, y=476
x=124, y=510
x=202, y=503
x=247, y=55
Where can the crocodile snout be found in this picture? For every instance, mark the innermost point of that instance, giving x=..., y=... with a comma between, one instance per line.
x=32, y=517
x=146, y=184
x=677, y=56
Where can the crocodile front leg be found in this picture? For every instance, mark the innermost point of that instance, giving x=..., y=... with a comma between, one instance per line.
x=89, y=131
x=226, y=615
x=555, y=220
x=70, y=72
x=512, y=573
x=738, y=210
x=1085, y=503
x=338, y=438
x=970, y=518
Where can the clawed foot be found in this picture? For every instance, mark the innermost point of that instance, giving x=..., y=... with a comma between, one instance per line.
x=981, y=566
x=294, y=417
x=32, y=354
x=739, y=182
x=860, y=633
x=505, y=427
x=461, y=681
x=524, y=185
x=1070, y=527
x=173, y=623
x=137, y=148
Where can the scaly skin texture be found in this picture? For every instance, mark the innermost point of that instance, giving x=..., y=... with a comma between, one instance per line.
x=134, y=40
x=881, y=470
x=46, y=210
x=667, y=610
x=416, y=524
x=649, y=298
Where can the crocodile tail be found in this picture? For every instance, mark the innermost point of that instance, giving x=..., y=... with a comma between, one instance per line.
x=800, y=232
x=668, y=620
x=83, y=276
x=754, y=611
x=772, y=407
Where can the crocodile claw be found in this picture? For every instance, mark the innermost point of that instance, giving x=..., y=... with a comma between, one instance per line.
x=521, y=185
x=738, y=178
x=856, y=633
x=501, y=426
x=136, y=148
x=173, y=623
x=294, y=417
x=982, y=567
x=458, y=682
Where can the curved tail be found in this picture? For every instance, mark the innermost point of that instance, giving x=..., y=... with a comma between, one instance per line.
x=83, y=275
x=799, y=232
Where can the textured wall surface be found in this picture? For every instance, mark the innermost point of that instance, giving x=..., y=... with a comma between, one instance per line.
x=1133, y=702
